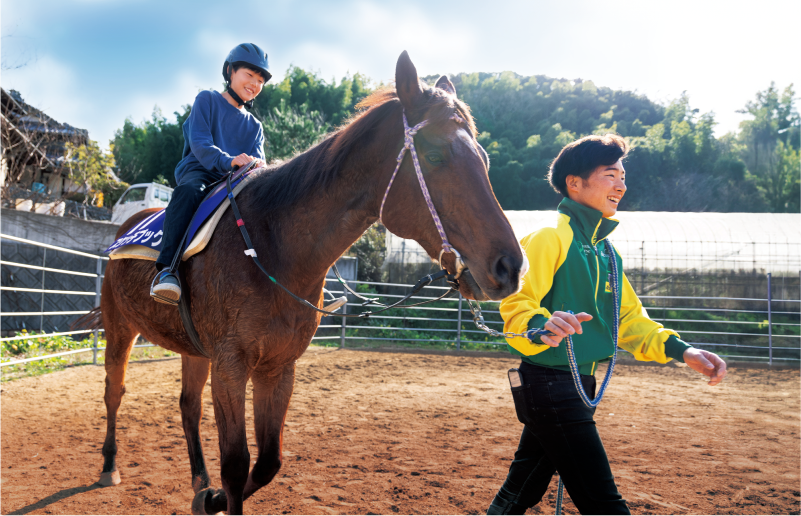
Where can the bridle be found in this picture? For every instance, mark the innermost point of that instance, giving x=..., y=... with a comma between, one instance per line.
x=452, y=279
x=408, y=143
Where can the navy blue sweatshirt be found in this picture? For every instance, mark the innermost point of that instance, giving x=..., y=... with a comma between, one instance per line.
x=215, y=133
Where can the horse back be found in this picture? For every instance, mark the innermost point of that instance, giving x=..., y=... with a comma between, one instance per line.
x=135, y=219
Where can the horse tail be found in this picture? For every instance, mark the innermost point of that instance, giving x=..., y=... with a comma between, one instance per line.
x=91, y=321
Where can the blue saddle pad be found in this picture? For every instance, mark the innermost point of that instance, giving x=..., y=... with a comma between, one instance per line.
x=149, y=232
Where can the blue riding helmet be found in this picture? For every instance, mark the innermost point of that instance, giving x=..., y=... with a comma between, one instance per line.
x=250, y=54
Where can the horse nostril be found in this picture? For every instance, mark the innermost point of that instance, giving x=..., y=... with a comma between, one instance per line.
x=503, y=269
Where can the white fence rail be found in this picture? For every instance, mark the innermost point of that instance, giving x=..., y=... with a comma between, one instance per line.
x=450, y=321
x=757, y=341
x=98, y=281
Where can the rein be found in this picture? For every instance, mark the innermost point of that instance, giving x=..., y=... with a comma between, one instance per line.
x=452, y=279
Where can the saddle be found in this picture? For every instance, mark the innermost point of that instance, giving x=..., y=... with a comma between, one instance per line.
x=143, y=241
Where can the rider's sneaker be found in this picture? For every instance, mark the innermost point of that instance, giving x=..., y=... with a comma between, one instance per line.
x=168, y=289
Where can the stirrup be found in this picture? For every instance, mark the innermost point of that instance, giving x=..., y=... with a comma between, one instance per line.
x=336, y=304
x=163, y=299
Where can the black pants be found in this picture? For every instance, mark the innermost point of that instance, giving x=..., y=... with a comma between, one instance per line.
x=184, y=203
x=559, y=436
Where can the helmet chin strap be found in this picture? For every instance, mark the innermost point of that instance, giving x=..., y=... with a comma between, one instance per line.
x=237, y=98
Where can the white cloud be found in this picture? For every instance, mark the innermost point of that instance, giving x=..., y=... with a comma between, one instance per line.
x=53, y=87
x=721, y=54
x=57, y=90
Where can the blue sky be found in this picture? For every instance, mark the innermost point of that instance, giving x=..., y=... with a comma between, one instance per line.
x=93, y=63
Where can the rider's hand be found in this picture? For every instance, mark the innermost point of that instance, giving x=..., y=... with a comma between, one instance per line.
x=562, y=324
x=706, y=363
x=241, y=160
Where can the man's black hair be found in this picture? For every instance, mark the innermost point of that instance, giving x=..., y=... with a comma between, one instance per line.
x=583, y=156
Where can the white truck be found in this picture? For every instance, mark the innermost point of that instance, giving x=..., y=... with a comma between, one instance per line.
x=139, y=197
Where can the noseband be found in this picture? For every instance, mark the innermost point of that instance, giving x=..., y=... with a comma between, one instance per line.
x=408, y=143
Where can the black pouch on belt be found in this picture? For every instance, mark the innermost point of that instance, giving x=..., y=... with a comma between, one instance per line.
x=520, y=393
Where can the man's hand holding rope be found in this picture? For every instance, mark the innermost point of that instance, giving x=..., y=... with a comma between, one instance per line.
x=562, y=324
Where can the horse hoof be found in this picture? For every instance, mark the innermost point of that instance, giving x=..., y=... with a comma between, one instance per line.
x=112, y=478
x=199, y=501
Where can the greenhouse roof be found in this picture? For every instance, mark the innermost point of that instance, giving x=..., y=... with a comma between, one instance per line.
x=763, y=242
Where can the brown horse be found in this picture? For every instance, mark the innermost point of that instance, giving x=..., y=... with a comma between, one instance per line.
x=302, y=215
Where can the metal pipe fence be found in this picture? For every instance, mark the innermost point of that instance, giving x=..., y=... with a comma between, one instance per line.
x=735, y=333
x=43, y=291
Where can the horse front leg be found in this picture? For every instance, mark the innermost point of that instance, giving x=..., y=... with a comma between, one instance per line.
x=271, y=393
x=229, y=378
x=194, y=374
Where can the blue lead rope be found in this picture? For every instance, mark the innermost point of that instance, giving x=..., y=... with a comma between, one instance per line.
x=571, y=354
x=571, y=357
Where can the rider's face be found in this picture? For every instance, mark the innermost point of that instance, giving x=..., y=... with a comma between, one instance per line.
x=246, y=83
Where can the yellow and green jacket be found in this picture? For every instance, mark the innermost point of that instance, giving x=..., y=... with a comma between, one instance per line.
x=569, y=270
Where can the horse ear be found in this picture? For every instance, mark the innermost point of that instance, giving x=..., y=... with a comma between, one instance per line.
x=406, y=82
x=445, y=84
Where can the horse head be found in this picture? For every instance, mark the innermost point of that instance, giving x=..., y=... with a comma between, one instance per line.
x=455, y=168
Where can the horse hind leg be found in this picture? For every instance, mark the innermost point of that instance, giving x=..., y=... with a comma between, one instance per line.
x=119, y=342
x=194, y=374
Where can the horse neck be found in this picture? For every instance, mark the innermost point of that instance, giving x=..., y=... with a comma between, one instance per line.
x=307, y=237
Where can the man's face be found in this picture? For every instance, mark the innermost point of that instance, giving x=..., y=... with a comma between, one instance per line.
x=602, y=191
x=246, y=83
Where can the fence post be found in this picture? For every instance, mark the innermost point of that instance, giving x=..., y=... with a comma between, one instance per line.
x=98, y=282
x=342, y=337
x=770, y=326
x=642, y=268
x=41, y=304
x=459, y=325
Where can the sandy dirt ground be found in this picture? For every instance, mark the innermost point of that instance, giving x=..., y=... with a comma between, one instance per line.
x=385, y=433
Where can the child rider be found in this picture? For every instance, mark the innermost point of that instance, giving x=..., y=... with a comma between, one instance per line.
x=219, y=134
x=570, y=270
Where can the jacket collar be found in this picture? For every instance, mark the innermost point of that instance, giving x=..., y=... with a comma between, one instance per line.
x=588, y=220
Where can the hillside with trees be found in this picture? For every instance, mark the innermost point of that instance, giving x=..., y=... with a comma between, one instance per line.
x=677, y=163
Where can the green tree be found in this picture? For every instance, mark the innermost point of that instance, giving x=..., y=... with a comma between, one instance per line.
x=144, y=152
x=771, y=145
x=777, y=177
x=370, y=249
x=289, y=130
x=91, y=167
x=335, y=102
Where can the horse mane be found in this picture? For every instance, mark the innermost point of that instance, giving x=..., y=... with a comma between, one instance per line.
x=313, y=170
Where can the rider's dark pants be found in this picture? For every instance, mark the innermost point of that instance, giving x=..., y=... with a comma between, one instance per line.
x=185, y=200
x=559, y=436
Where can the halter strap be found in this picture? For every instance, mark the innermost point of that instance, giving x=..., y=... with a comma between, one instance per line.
x=408, y=143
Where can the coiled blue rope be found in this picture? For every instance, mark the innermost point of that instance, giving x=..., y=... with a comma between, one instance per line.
x=571, y=354
x=571, y=357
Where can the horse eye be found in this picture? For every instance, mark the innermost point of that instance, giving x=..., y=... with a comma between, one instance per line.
x=434, y=158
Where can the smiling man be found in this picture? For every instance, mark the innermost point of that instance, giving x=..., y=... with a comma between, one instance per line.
x=570, y=270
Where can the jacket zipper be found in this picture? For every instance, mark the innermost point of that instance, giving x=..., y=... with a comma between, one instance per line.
x=597, y=276
x=597, y=264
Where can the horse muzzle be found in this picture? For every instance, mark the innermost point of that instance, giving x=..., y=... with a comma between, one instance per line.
x=502, y=278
